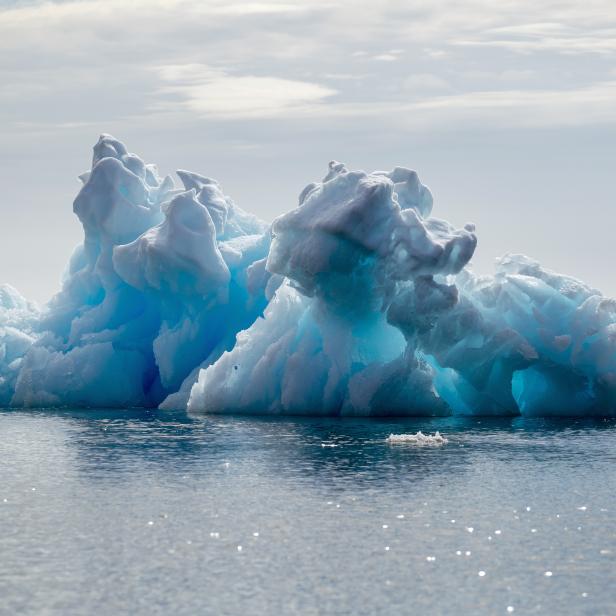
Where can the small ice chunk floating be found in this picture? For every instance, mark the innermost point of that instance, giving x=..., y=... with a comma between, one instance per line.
x=419, y=438
x=357, y=302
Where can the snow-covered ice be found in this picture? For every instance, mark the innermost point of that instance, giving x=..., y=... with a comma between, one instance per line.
x=356, y=302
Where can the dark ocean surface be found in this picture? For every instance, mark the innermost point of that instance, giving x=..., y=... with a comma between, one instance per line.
x=135, y=512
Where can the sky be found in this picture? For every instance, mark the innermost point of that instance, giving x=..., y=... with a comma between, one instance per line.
x=506, y=109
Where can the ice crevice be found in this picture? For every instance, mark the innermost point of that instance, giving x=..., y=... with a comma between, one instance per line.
x=355, y=302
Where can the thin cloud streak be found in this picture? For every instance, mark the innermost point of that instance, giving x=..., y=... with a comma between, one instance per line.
x=213, y=93
x=603, y=45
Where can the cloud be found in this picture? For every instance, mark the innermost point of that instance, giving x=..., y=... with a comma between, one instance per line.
x=498, y=109
x=214, y=93
x=90, y=62
x=423, y=83
x=597, y=43
x=528, y=108
x=389, y=56
x=255, y=8
x=577, y=33
x=20, y=14
x=385, y=57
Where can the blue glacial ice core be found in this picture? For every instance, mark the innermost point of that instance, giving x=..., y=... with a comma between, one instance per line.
x=356, y=302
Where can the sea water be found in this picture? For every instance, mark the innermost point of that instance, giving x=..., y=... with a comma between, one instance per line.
x=146, y=513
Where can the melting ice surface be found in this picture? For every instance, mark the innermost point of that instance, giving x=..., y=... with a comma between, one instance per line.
x=356, y=302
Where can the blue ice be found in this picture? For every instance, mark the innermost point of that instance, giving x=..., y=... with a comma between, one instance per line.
x=356, y=302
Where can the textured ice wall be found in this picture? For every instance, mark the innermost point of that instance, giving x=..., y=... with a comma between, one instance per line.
x=356, y=302
x=527, y=341
x=378, y=315
x=158, y=288
x=18, y=320
x=336, y=339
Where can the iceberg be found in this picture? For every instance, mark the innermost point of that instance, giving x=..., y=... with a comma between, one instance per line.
x=18, y=320
x=357, y=302
x=335, y=339
x=159, y=287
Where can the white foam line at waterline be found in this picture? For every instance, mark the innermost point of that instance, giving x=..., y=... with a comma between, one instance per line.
x=431, y=440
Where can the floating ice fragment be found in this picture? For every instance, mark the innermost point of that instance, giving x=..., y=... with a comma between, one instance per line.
x=418, y=438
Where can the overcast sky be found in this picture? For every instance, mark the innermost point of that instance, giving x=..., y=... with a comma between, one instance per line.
x=506, y=108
